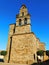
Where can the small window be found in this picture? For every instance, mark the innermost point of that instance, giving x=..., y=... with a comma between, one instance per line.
x=19, y=22
x=22, y=13
x=25, y=21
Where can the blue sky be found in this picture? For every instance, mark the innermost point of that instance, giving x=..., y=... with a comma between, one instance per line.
x=39, y=11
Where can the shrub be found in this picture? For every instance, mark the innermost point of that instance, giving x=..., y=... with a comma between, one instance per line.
x=47, y=53
x=40, y=52
x=3, y=53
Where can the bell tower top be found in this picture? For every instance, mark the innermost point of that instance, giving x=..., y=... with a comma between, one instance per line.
x=23, y=15
x=23, y=20
x=23, y=10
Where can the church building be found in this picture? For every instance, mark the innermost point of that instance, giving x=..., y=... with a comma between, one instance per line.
x=22, y=44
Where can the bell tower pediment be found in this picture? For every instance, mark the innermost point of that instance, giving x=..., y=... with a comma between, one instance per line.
x=23, y=10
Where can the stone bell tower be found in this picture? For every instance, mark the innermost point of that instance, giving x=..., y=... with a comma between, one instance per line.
x=23, y=21
x=21, y=46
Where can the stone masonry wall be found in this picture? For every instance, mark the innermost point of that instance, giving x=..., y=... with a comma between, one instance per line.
x=23, y=49
x=22, y=29
x=8, y=45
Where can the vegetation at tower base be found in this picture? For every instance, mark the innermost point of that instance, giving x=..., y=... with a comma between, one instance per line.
x=0, y=53
x=3, y=53
x=47, y=53
x=40, y=52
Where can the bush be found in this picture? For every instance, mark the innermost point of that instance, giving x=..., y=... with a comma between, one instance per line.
x=47, y=53
x=40, y=52
x=3, y=53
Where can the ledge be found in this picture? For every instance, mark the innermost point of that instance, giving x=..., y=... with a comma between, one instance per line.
x=19, y=26
x=23, y=33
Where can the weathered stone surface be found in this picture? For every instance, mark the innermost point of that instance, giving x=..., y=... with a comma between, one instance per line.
x=23, y=48
x=22, y=43
x=22, y=29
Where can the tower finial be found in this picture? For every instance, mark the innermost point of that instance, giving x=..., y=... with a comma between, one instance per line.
x=24, y=5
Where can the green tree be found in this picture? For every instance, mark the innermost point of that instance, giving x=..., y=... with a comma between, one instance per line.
x=40, y=52
x=47, y=53
x=3, y=53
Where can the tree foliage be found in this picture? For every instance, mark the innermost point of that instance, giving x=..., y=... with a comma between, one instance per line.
x=40, y=52
x=0, y=53
x=3, y=53
x=47, y=53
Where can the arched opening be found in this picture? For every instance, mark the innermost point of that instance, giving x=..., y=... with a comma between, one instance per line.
x=25, y=21
x=19, y=22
